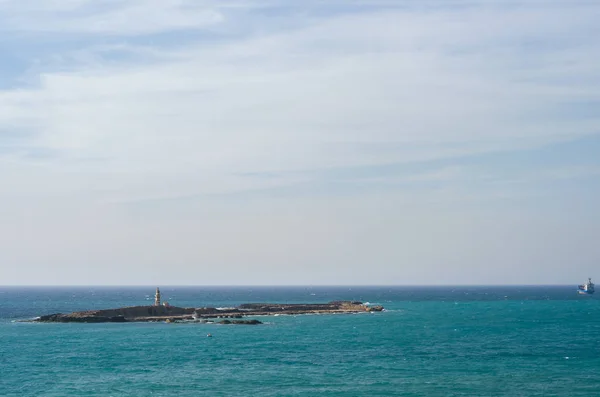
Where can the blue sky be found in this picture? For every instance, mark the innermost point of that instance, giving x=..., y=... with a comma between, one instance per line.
x=338, y=142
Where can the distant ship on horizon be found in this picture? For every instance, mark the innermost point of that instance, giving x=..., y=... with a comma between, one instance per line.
x=587, y=288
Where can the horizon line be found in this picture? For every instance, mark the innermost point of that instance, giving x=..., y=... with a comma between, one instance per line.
x=274, y=285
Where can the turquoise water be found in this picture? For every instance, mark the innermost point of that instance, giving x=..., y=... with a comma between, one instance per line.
x=500, y=341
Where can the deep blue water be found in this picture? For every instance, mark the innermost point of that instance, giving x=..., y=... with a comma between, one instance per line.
x=430, y=341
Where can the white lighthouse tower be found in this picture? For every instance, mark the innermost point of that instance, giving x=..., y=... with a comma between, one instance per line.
x=157, y=297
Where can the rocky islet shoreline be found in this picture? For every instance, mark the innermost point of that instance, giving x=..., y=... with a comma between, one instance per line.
x=166, y=313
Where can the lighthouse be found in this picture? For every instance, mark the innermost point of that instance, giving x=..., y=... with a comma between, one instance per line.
x=157, y=297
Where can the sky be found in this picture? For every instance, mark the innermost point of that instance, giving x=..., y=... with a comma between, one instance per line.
x=339, y=142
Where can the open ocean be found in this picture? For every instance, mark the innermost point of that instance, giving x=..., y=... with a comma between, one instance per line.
x=430, y=341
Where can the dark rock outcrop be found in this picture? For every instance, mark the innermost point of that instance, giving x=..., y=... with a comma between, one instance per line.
x=247, y=322
x=175, y=314
x=69, y=318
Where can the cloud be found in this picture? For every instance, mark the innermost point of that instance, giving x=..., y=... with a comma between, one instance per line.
x=296, y=100
x=345, y=91
x=113, y=17
x=177, y=109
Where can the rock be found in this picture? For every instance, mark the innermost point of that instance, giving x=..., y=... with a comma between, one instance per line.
x=341, y=303
x=50, y=317
x=246, y=322
x=76, y=318
x=162, y=313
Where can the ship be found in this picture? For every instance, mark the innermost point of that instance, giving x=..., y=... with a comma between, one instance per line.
x=587, y=288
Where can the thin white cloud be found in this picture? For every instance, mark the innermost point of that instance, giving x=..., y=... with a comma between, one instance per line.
x=282, y=106
x=112, y=17
x=284, y=101
x=291, y=93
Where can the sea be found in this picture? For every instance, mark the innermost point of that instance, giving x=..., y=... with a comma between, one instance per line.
x=429, y=341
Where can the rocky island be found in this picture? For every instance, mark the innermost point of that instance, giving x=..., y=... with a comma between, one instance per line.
x=167, y=313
